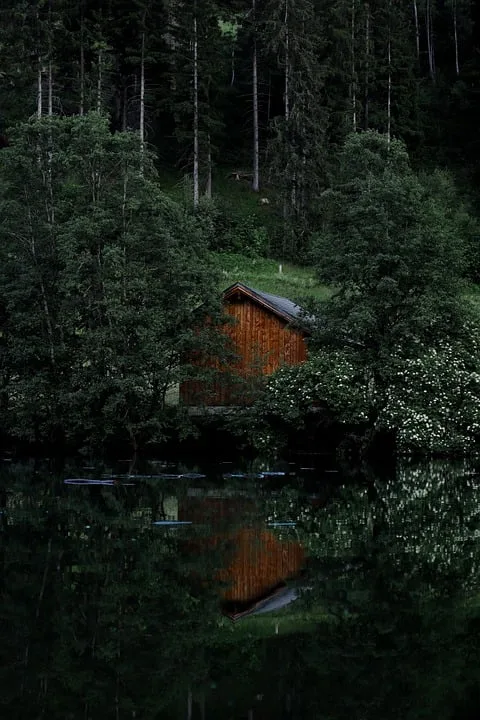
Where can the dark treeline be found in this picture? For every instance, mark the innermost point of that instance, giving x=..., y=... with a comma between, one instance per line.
x=266, y=87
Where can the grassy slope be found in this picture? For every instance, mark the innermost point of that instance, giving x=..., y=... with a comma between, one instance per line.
x=292, y=281
x=238, y=201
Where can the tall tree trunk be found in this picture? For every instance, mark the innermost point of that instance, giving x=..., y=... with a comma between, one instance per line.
x=50, y=53
x=50, y=89
x=417, y=28
x=39, y=88
x=142, y=101
x=455, y=37
x=287, y=65
x=195, y=112
x=232, y=75
x=39, y=69
x=208, y=187
x=81, y=107
x=256, y=178
x=287, y=113
x=99, y=80
x=366, y=94
x=389, y=90
x=353, y=81
x=389, y=81
x=125, y=107
x=430, y=40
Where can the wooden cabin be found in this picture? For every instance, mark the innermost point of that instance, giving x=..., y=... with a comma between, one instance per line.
x=265, y=332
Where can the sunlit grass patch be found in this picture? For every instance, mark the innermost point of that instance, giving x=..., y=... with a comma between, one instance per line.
x=285, y=279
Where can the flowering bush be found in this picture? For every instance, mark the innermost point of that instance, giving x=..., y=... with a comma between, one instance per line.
x=431, y=400
x=329, y=379
x=434, y=399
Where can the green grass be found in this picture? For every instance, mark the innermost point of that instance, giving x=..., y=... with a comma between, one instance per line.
x=292, y=281
x=282, y=622
x=239, y=202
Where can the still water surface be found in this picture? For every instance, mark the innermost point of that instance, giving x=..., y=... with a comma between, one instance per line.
x=217, y=595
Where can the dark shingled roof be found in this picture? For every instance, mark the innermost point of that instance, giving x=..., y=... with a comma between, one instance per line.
x=279, y=305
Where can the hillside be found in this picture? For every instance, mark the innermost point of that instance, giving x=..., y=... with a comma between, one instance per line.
x=286, y=279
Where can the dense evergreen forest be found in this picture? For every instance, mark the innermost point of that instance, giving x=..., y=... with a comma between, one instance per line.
x=127, y=129
x=268, y=89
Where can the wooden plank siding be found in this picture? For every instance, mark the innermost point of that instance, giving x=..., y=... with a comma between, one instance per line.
x=260, y=563
x=257, y=561
x=261, y=340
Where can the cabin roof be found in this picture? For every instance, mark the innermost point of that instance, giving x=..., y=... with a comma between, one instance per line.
x=281, y=306
x=277, y=598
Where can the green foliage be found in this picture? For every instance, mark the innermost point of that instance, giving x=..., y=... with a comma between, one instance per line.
x=433, y=399
x=430, y=402
x=100, y=280
x=330, y=382
x=391, y=249
x=241, y=234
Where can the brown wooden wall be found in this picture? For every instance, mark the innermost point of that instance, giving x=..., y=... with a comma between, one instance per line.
x=262, y=342
x=260, y=563
x=257, y=560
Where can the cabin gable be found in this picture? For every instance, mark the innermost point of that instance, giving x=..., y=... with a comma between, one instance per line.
x=263, y=334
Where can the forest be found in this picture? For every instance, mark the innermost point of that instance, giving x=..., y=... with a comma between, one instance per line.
x=144, y=141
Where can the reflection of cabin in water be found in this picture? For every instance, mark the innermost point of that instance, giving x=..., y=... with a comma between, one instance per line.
x=265, y=333
x=259, y=562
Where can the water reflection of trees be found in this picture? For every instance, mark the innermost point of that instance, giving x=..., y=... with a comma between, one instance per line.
x=395, y=563
x=104, y=616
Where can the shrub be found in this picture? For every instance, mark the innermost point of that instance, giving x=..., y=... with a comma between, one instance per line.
x=432, y=400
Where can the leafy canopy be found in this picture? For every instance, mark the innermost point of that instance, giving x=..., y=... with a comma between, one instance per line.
x=390, y=248
x=101, y=279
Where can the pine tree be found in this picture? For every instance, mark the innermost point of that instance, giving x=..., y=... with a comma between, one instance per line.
x=294, y=35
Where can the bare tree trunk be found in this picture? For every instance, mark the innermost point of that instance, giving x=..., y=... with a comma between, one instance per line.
x=389, y=86
x=455, y=35
x=287, y=65
x=208, y=187
x=50, y=67
x=287, y=102
x=256, y=178
x=189, y=704
x=430, y=40
x=50, y=89
x=354, y=82
x=195, y=113
x=417, y=28
x=99, y=80
x=81, y=108
x=366, y=95
x=142, y=101
x=232, y=76
x=39, y=88
x=125, y=108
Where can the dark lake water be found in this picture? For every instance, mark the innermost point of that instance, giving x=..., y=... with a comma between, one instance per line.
x=182, y=593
